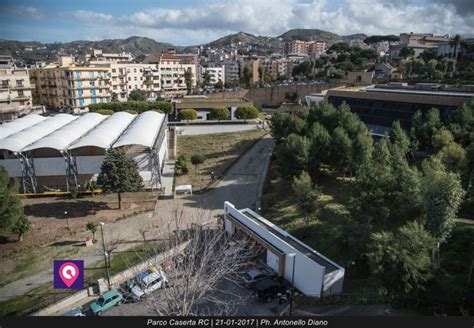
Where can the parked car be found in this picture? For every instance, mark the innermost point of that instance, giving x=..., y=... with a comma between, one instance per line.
x=257, y=274
x=147, y=282
x=266, y=289
x=76, y=312
x=106, y=301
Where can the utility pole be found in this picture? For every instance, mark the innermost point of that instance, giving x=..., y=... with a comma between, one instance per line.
x=105, y=253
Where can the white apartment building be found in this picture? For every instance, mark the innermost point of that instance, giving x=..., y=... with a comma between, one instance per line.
x=172, y=68
x=15, y=90
x=216, y=74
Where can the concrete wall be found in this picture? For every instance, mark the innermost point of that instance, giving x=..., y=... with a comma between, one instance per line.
x=274, y=96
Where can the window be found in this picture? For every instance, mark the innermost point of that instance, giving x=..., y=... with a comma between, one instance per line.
x=19, y=83
x=20, y=93
x=134, y=70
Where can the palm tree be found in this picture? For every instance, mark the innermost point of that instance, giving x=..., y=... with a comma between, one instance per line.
x=455, y=44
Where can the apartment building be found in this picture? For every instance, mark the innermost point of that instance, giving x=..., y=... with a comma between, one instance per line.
x=278, y=67
x=308, y=48
x=216, y=73
x=172, y=68
x=98, y=55
x=15, y=90
x=231, y=71
x=419, y=42
x=67, y=86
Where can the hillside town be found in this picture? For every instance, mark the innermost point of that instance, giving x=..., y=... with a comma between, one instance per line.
x=305, y=175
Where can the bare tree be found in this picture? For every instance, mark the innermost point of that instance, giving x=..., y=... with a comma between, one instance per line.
x=200, y=276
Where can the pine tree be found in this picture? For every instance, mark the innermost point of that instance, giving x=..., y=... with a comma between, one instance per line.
x=118, y=174
x=10, y=205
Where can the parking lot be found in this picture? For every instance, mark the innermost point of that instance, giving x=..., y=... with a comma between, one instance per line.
x=231, y=295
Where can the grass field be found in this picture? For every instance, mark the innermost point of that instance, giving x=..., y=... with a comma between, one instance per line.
x=220, y=151
x=326, y=235
x=45, y=294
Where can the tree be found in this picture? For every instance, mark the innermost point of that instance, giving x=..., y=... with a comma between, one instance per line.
x=181, y=165
x=197, y=160
x=246, y=113
x=163, y=106
x=291, y=96
x=138, y=95
x=454, y=158
x=219, y=85
x=306, y=195
x=406, y=52
x=461, y=122
x=11, y=209
x=293, y=154
x=341, y=150
x=105, y=111
x=442, y=194
x=114, y=97
x=20, y=227
x=441, y=138
x=399, y=138
x=92, y=227
x=187, y=114
x=219, y=113
x=199, y=266
x=455, y=42
x=246, y=78
x=379, y=38
x=400, y=260
x=188, y=79
x=320, y=145
x=119, y=174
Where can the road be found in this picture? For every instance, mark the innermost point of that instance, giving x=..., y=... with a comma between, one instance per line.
x=240, y=185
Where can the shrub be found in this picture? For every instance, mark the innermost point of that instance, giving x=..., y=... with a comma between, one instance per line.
x=105, y=111
x=219, y=113
x=187, y=115
x=246, y=112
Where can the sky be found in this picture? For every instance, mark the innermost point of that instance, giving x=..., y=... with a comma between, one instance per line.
x=190, y=22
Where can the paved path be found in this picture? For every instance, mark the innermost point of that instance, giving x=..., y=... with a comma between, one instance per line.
x=167, y=177
x=213, y=128
x=241, y=186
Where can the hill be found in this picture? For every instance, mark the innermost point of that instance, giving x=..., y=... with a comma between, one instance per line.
x=30, y=51
x=310, y=34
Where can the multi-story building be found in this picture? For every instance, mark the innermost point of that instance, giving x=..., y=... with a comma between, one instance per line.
x=302, y=48
x=172, y=69
x=216, y=73
x=98, y=55
x=418, y=42
x=231, y=71
x=15, y=90
x=66, y=86
x=383, y=104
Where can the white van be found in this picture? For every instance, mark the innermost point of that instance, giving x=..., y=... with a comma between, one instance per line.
x=148, y=284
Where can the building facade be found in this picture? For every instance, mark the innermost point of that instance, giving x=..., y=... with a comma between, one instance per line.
x=15, y=90
x=301, y=48
x=67, y=87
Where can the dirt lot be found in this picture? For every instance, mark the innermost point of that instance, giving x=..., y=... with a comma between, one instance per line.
x=220, y=151
x=51, y=224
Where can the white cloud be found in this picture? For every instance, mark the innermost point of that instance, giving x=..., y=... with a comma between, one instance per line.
x=24, y=11
x=272, y=17
x=91, y=16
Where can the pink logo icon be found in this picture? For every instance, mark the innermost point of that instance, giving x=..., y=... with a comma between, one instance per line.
x=68, y=272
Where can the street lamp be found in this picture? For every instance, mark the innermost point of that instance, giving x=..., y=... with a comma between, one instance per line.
x=293, y=255
x=67, y=221
x=102, y=224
